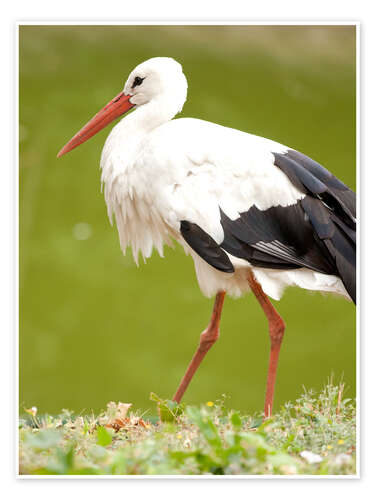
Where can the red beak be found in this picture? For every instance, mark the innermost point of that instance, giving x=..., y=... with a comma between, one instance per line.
x=115, y=108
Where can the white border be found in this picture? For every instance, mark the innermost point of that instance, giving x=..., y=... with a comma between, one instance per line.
x=359, y=227
x=16, y=236
x=358, y=343
x=188, y=23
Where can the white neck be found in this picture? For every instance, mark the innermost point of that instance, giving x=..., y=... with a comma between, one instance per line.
x=151, y=115
x=122, y=144
x=125, y=137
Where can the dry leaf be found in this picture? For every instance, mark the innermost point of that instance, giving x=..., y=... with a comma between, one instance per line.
x=117, y=417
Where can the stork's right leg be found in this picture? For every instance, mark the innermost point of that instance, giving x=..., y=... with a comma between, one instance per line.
x=276, y=327
x=208, y=338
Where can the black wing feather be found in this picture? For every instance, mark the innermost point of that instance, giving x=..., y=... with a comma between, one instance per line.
x=310, y=177
x=317, y=232
x=345, y=195
x=279, y=232
x=205, y=246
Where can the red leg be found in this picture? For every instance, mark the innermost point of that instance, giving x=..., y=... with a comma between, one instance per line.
x=207, y=339
x=276, y=327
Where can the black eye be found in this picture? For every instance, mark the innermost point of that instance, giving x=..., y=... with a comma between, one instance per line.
x=137, y=81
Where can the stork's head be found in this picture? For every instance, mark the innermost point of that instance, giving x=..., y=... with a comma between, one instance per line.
x=157, y=78
x=158, y=81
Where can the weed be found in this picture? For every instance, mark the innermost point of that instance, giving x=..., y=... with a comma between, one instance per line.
x=314, y=435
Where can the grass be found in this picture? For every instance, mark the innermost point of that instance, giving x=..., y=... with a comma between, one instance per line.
x=314, y=435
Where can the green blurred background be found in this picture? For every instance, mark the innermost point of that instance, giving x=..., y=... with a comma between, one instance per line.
x=93, y=326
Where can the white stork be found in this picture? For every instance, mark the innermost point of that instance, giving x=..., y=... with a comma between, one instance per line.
x=252, y=213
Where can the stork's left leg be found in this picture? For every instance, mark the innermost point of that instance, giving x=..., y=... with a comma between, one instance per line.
x=276, y=327
x=208, y=338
